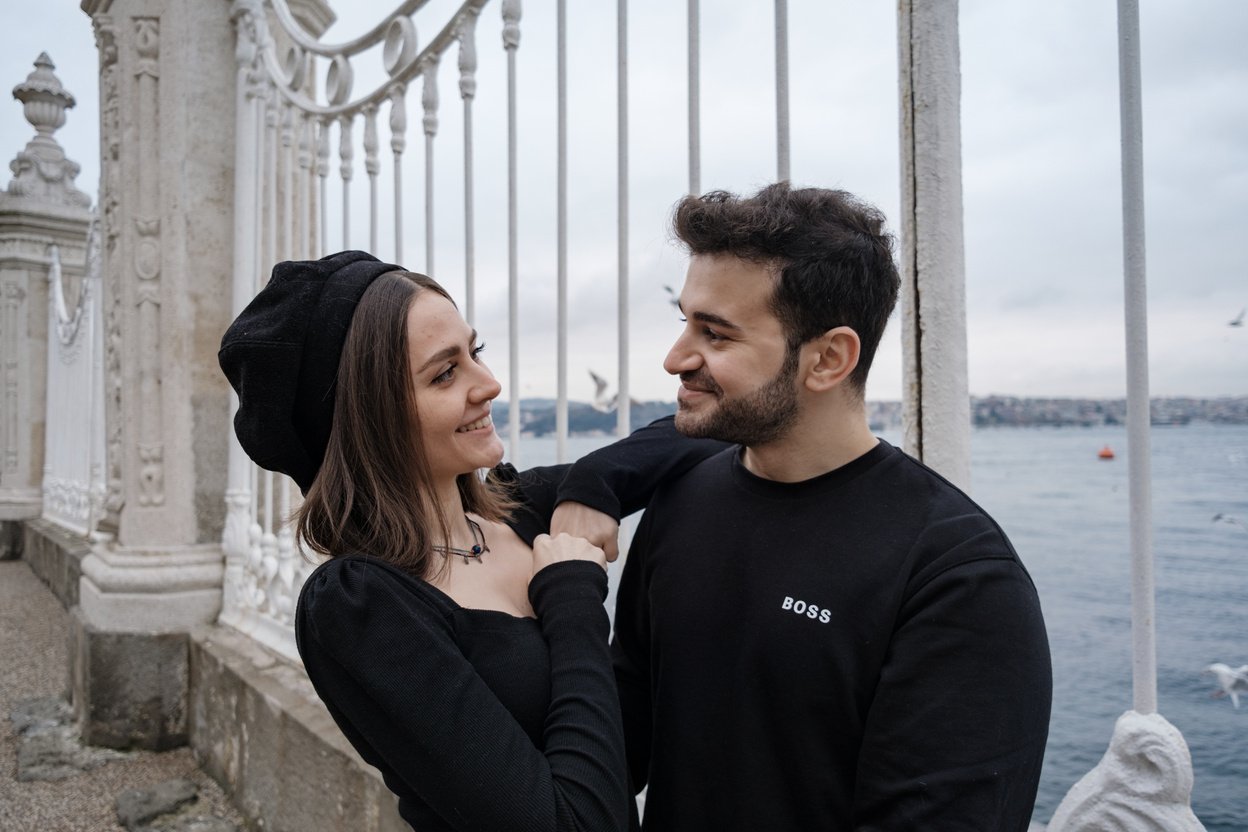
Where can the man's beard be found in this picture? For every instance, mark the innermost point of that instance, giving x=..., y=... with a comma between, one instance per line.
x=756, y=418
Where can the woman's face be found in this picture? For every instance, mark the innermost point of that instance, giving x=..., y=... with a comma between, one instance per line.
x=453, y=389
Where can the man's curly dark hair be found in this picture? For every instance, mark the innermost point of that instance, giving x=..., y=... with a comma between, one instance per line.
x=833, y=257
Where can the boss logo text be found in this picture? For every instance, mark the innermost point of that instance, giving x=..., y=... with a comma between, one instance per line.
x=811, y=611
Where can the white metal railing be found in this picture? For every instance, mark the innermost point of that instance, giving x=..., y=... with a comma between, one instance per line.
x=295, y=97
x=74, y=484
x=287, y=123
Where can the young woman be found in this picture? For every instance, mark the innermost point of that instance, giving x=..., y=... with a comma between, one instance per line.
x=460, y=650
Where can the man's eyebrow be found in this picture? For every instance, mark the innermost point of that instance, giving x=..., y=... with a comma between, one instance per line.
x=708, y=318
x=445, y=354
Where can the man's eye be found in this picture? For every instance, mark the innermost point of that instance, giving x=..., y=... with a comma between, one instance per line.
x=711, y=335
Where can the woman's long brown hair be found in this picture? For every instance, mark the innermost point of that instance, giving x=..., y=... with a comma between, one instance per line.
x=374, y=494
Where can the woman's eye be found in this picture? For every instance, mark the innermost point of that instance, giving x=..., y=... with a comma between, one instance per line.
x=445, y=376
x=477, y=350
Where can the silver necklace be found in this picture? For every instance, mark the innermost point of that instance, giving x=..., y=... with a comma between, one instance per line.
x=478, y=544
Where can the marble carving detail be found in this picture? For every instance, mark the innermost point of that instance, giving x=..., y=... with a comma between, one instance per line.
x=147, y=260
x=110, y=190
x=1143, y=783
x=12, y=319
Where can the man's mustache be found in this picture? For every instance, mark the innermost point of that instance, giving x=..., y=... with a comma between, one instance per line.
x=701, y=381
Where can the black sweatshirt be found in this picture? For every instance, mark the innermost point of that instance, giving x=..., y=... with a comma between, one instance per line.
x=862, y=650
x=477, y=719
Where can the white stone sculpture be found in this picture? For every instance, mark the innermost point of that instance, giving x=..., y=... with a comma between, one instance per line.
x=1142, y=784
x=41, y=171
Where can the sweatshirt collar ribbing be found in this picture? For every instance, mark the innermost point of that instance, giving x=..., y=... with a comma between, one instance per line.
x=814, y=486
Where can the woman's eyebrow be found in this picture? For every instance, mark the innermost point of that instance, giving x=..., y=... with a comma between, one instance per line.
x=446, y=353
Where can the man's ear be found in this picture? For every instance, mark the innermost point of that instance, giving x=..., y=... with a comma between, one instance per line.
x=836, y=355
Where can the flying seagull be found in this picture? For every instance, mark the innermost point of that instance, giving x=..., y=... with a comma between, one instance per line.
x=1227, y=518
x=1232, y=680
x=674, y=299
x=1238, y=320
x=601, y=403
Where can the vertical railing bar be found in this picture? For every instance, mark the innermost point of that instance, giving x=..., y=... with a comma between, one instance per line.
x=429, y=101
x=240, y=491
x=271, y=256
x=288, y=253
x=398, y=143
x=561, y=326
x=288, y=182
x=467, y=91
x=254, y=489
x=1139, y=473
x=322, y=171
x=622, y=398
x=511, y=41
x=302, y=248
x=695, y=121
x=258, y=270
x=345, y=155
x=270, y=214
x=268, y=503
x=782, y=89
x=372, y=167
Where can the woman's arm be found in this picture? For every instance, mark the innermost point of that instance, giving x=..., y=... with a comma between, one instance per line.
x=384, y=660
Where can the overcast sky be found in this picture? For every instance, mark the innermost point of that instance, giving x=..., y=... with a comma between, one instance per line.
x=1041, y=172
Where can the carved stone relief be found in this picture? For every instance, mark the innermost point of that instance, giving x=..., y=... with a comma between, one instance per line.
x=147, y=260
x=12, y=318
x=110, y=190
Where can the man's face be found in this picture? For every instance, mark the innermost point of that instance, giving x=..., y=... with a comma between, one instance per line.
x=737, y=374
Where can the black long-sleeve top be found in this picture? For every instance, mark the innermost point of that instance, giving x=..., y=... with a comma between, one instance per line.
x=477, y=719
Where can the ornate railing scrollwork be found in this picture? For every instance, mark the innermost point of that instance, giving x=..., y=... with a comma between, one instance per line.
x=285, y=131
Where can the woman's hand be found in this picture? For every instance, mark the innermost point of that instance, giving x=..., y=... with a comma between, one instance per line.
x=561, y=547
x=580, y=520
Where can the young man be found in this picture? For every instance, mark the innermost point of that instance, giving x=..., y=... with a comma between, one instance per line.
x=813, y=630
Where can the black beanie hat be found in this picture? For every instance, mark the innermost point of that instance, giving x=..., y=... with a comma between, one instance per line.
x=281, y=356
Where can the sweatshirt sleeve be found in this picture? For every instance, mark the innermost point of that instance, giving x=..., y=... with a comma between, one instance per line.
x=620, y=478
x=617, y=480
x=956, y=732
x=383, y=659
x=630, y=651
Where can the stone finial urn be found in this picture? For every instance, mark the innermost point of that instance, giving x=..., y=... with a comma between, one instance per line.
x=44, y=98
x=42, y=171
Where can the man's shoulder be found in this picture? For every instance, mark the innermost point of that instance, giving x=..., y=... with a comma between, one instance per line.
x=714, y=469
x=918, y=485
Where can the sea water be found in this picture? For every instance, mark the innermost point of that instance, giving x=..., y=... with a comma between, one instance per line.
x=1067, y=513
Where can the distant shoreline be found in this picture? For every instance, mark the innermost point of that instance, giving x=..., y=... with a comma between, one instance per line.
x=538, y=418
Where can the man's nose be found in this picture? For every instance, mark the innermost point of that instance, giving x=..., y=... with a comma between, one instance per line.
x=681, y=359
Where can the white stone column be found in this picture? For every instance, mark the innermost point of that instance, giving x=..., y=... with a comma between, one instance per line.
x=40, y=208
x=937, y=411
x=168, y=76
x=166, y=93
x=155, y=567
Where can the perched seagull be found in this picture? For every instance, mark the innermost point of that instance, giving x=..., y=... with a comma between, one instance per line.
x=1233, y=680
x=1237, y=321
x=1226, y=518
x=601, y=403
